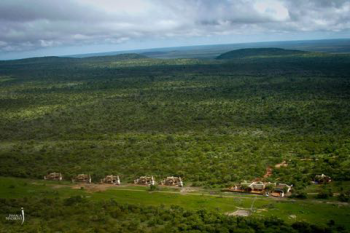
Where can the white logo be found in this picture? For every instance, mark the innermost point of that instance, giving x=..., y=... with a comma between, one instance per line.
x=16, y=217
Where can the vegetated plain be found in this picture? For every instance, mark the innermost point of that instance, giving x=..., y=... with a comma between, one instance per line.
x=212, y=122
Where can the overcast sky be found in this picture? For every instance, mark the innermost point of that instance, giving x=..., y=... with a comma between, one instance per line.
x=58, y=27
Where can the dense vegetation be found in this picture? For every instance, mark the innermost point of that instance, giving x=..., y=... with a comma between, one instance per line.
x=211, y=122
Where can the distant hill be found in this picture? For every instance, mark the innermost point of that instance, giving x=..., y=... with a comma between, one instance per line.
x=212, y=51
x=253, y=52
x=35, y=60
x=53, y=59
x=119, y=57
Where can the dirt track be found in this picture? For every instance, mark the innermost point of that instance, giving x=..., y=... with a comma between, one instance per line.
x=183, y=191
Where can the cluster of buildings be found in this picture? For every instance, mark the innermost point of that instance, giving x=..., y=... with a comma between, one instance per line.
x=255, y=187
x=262, y=188
x=112, y=179
x=169, y=181
x=272, y=189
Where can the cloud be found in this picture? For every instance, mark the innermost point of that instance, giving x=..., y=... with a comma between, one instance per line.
x=34, y=24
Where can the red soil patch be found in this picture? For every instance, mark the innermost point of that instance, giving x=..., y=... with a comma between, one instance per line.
x=283, y=164
x=268, y=172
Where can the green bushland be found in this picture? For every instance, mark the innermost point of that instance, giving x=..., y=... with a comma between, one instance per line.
x=213, y=123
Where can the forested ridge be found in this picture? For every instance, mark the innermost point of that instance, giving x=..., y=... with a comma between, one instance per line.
x=256, y=52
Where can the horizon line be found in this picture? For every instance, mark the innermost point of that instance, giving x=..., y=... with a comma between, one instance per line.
x=94, y=54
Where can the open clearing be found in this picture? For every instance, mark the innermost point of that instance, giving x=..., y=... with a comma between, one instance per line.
x=242, y=213
x=309, y=210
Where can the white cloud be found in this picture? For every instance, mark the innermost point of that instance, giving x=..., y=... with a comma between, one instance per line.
x=2, y=43
x=274, y=9
x=33, y=24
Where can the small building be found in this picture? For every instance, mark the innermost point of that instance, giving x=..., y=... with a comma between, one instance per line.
x=82, y=178
x=281, y=190
x=322, y=179
x=145, y=180
x=243, y=187
x=173, y=181
x=53, y=176
x=257, y=186
x=260, y=188
x=249, y=187
x=111, y=179
x=235, y=188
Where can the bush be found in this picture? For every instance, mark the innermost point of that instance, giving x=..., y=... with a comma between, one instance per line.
x=299, y=195
x=74, y=200
x=153, y=188
x=343, y=198
x=325, y=194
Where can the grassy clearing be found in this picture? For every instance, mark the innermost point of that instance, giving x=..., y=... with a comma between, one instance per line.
x=312, y=211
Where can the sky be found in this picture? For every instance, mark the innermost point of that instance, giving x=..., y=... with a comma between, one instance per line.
x=30, y=28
